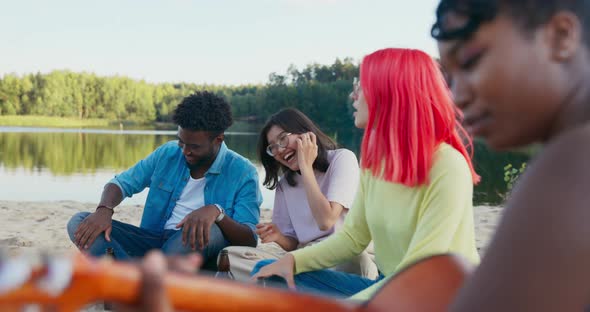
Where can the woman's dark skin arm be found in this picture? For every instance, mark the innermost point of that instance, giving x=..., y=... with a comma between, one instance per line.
x=539, y=260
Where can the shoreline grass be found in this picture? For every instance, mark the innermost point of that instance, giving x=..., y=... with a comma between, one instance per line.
x=62, y=122
x=69, y=122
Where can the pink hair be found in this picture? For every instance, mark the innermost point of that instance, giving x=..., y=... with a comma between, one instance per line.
x=410, y=113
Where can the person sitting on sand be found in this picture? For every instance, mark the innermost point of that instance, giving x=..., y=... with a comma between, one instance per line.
x=519, y=70
x=202, y=195
x=313, y=195
x=415, y=194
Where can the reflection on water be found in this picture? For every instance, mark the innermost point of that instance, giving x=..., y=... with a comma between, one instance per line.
x=71, y=164
x=65, y=164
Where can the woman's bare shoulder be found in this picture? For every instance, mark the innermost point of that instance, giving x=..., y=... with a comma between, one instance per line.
x=565, y=157
x=538, y=259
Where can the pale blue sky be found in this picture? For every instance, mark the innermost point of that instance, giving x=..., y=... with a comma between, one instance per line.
x=215, y=41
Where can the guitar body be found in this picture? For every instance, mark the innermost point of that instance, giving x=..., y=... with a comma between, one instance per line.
x=428, y=285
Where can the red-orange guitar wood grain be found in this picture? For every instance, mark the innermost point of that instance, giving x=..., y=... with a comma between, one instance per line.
x=428, y=285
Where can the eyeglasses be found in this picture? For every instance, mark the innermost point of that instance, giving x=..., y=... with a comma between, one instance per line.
x=356, y=87
x=282, y=142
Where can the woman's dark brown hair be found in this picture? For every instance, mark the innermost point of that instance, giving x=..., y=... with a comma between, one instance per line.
x=294, y=121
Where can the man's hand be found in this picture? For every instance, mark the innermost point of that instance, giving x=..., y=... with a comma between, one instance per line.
x=268, y=232
x=197, y=225
x=99, y=221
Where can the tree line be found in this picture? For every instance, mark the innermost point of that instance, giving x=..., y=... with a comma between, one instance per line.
x=321, y=91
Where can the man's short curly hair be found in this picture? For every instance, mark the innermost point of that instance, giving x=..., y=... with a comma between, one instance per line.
x=203, y=111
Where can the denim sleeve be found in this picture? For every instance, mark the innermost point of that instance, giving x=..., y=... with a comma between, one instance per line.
x=248, y=200
x=138, y=177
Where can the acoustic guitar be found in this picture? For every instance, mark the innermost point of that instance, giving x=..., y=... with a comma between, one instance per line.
x=428, y=285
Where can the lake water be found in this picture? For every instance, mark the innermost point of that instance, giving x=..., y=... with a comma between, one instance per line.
x=47, y=164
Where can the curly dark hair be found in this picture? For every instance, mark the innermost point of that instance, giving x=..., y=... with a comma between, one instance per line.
x=203, y=111
x=529, y=14
x=294, y=121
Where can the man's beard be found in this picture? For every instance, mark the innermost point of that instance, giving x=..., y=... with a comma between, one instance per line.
x=192, y=167
x=204, y=161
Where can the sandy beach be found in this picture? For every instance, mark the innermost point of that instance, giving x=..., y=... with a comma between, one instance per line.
x=35, y=226
x=42, y=225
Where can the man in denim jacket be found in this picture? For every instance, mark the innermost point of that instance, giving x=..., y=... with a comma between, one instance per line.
x=203, y=196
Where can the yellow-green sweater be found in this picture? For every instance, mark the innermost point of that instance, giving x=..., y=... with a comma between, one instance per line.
x=405, y=223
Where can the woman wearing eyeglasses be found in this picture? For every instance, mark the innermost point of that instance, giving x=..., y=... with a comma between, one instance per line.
x=315, y=183
x=416, y=184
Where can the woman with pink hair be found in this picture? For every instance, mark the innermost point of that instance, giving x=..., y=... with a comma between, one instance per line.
x=415, y=193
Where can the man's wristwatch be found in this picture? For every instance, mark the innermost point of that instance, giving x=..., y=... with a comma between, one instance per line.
x=221, y=214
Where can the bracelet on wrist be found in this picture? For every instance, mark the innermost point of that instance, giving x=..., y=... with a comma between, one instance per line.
x=106, y=207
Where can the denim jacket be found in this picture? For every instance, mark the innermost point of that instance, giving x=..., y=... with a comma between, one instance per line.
x=231, y=182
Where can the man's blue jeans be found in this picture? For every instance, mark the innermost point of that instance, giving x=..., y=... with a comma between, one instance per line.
x=129, y=241
x=323, y=282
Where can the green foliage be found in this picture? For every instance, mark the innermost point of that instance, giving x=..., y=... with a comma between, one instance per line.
x=320, y=91
x=511, y=175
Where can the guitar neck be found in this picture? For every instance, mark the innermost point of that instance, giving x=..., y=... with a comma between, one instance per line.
x=94, y=281
x=427, y=285
x=202, y=293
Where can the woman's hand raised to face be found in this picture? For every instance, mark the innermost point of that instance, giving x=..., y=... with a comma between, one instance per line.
x=307, y=150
